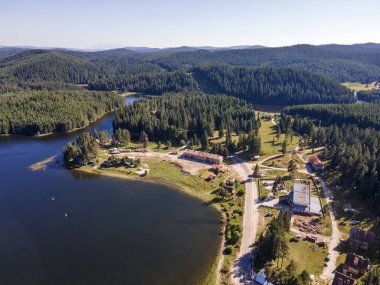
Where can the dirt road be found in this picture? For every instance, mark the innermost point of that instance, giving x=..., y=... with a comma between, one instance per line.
x=328, y=272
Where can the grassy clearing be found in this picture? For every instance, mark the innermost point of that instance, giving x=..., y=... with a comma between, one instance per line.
x=357, y=86
x=306, y=255
x=265, y=221
x=268, y=134
x=272, y=173
x=283, y=161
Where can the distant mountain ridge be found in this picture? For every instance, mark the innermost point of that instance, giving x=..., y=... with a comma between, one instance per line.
x=170, y=69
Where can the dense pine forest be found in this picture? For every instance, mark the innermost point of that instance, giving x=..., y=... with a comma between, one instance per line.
x=24, y=72
x=362, y=115
x=271, y=86
x=191, y=117
x=372, y=96
x=35, y=113
x=18, y=66
x=356, y=63
x=352, y=147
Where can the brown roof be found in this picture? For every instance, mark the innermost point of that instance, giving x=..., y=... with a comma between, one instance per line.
x=315, y=161
x=341, y=279
x=361, y=235
x=356, y=261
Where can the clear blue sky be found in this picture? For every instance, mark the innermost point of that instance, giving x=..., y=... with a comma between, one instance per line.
x=164, y=23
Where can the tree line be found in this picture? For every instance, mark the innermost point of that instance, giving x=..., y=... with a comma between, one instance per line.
x=362, y=115
x=41, y=112
x=81, y=151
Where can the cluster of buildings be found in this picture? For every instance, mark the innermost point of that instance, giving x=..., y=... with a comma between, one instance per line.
x=355, y=265
x=203, y=156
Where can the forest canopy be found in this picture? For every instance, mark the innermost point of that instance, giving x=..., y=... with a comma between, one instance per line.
x=362, y=115
x=35, y=113
x=273, y=86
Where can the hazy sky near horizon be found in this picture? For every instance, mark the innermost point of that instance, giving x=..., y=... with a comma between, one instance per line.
x=165, y=23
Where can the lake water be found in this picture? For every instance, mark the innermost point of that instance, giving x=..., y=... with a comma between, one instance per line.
x=116, y=231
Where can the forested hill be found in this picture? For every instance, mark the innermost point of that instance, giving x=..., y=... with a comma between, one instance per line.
x=356, y=63
x=43, y=70
x=124, y=70
x=41, y=112
x=272, y=86
x=362, y=115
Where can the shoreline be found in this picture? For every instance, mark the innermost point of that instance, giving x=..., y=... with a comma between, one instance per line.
x=219, y=257
x=62, y=133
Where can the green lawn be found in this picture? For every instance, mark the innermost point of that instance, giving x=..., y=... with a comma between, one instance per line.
x=306, y=255
x=264, y=221
x=268, y=133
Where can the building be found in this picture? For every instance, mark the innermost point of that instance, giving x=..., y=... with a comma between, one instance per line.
x=261, y=279
x=316, y=163
x=203, y=156
x=301, y=200
x=356, y=264
x=360, y=239
x=342, y=279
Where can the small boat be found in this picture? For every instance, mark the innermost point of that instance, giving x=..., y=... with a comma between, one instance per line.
x=52, y=198
x=66, y=215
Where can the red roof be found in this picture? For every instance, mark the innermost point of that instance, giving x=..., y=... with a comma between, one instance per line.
x=315, y=161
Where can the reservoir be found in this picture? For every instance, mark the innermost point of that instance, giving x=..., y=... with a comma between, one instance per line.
x=64, y=227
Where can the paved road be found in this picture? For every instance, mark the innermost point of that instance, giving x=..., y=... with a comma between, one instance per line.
x=242, y=266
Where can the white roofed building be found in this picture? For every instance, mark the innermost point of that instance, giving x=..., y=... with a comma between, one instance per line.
x=303, y=202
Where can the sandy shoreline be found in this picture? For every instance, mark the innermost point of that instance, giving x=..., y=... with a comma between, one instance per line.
x=42, y=164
